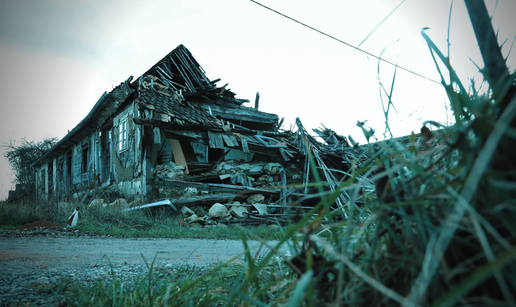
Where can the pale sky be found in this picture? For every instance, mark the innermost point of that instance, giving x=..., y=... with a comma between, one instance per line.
x=58, y=57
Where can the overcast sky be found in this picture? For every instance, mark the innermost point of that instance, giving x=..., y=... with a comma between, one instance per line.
x=58, y=58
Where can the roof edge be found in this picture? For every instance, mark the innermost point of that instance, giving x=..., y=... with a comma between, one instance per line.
x=95, y=117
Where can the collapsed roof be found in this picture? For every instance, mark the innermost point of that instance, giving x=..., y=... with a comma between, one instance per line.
x=175, y=78
x=176, y=96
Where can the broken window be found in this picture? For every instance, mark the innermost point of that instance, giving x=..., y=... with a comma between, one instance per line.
x=122, y=135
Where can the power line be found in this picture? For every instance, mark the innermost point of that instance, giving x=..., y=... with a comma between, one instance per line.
x=343, y=42
x=380, y=23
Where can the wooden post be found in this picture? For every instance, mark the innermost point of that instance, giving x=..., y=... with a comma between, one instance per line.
x=257, y=100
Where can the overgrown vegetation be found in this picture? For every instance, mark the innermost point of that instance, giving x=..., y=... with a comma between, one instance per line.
x=438, y=232
x=114, y=221
x=21, y=156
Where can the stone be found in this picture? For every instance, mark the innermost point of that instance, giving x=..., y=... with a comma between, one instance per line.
x=221, y=225
x=273, y=227
x=296, y=177
x=186, y=211
x=119, y=203
x=194, y=219
x=218, y=210
x=262, y=179
x=256, y=199
x=137, y=202
x=190, y=192
x=272, y=168
x=97, y=202
x=239, y=211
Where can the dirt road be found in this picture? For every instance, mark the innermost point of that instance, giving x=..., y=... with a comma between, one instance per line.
x=91, y=251
x=34, y=260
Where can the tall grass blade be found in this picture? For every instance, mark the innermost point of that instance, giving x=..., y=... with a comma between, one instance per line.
x=300, y=289
x=241, y=294
x=488, y=251
x=478, y=277
x=355, y=269
x=436, y=248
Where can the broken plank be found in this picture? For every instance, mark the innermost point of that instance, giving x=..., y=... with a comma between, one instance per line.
x=187, y=133
x=218, y=140
x=245, y=146
x=216, y=187
x=179, y=156
x=228, y=141
x=284, y=155
x=211, y=137
x=207, y=200
x=234, y=140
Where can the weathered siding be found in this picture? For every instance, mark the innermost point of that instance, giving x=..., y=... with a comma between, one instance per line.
x=97, y=153
x=127, y=153
x=54, y=176
x=42, y=179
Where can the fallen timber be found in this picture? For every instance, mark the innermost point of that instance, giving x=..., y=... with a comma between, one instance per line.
x=280, y=210
x=244, y=191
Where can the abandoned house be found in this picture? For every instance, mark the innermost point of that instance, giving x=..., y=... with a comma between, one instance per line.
x=174, y=134
x=171, y=114
x=173, y=129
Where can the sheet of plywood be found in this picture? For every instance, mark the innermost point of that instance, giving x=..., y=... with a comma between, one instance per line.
x=179, y=156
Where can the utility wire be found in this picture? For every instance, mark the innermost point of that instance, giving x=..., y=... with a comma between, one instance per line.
x=380, y=24
x=347, y=44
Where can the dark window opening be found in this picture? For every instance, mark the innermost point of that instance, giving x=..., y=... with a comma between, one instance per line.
x=105, y=155
x=42, y=180
x=50, y=178
x=68, y=170
x=215, y=154
x=85, y=158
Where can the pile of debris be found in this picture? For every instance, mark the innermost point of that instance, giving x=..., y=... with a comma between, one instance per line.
x=252, y=212
x=248, y=174
x=260, y=191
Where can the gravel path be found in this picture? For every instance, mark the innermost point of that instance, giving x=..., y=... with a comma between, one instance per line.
x=34, y=260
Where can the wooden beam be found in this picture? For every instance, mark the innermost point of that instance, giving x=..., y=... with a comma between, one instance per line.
x=216, y=187
x=208, y=200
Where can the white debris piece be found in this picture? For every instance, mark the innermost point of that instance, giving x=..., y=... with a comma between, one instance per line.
x=218, y=210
